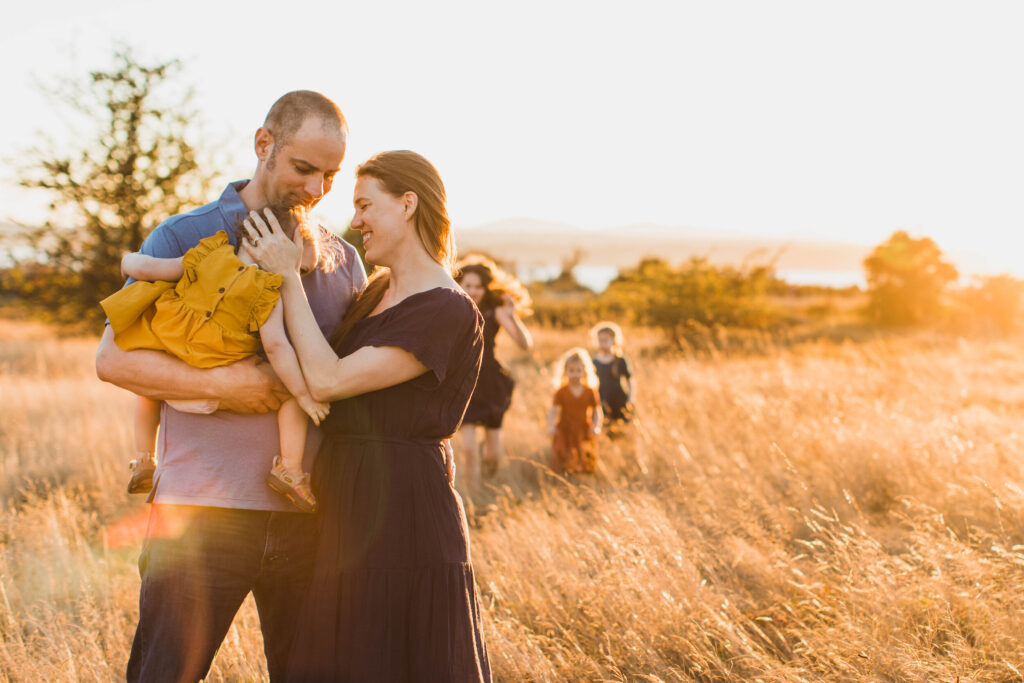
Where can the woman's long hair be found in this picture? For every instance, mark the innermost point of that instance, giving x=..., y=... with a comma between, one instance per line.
x=399, y=172
x=497, y=284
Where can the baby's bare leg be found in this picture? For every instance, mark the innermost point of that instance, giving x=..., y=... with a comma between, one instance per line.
x=292, y=423
x=147, y=422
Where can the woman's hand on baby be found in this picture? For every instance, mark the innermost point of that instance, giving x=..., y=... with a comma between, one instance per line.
x=316, y=410
x=269, y=246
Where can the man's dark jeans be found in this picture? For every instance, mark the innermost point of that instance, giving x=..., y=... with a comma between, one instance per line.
x=197, y=566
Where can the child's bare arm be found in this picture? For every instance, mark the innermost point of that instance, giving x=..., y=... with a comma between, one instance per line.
x=507, y=318
x=282, y=358
x=598, y=418
x=143, y=267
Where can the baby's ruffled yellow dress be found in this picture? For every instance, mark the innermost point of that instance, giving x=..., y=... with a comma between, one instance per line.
x=210, y=317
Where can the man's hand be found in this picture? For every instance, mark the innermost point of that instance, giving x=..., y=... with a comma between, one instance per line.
x=244, y=388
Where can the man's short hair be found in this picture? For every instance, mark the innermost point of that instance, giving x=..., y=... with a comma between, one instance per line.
x=292, y=109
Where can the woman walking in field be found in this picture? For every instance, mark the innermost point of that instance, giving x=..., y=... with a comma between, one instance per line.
x=503, y=301
x=393, y=597
x=575, y=415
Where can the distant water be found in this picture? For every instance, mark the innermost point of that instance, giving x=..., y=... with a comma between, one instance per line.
x=594, y=277
x=840, y=279
x=597, y=277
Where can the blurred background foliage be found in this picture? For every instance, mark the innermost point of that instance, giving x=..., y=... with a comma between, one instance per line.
x=133, y=168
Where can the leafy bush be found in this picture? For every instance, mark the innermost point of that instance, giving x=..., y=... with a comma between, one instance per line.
x=687, y=301
x=907, y=280
x=991, y=304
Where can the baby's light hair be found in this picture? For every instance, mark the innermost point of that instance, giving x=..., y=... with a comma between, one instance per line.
x=328, y=253
x=607, y=326
x=581, y=355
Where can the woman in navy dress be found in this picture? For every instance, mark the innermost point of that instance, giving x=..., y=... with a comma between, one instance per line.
x=393, y=597
x=503, y=301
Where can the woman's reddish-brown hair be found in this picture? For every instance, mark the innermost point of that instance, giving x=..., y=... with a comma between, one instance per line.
x=398, y=172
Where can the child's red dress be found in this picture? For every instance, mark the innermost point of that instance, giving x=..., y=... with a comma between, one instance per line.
x=572, y=447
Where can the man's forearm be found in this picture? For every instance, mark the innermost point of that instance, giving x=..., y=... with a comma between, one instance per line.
x=152, y=374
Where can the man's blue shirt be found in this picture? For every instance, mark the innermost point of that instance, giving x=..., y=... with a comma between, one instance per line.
x=222, y=459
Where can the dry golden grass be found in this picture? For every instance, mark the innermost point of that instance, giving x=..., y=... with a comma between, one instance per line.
x=837, y=512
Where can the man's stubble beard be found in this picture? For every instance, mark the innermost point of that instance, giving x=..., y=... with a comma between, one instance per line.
x=287, y=204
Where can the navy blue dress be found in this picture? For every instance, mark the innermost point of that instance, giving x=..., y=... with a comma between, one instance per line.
x=393, y=597
x=614, y=399
x=493, y=394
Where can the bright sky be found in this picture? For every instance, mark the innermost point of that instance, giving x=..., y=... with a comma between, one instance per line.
x=825, y=120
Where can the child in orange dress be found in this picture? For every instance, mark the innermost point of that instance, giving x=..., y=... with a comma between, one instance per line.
x=211, y=307
x=575, y=416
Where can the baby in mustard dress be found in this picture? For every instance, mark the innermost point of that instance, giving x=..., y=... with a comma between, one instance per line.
x=212, y=307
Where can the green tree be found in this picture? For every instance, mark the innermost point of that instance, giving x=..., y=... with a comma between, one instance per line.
x=133, y=170
x=688, y=301
x=907, y=279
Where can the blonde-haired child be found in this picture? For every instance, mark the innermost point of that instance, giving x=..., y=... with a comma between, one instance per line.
x=575, y=416
x=211, y=307
x=614, y=373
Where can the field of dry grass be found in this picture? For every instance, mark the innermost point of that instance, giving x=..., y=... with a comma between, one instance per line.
x=824, y=512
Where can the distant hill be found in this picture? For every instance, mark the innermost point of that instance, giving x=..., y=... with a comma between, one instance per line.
x=528, y=241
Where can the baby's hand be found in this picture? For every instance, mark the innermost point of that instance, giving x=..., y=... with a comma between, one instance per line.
x=596, y=431
x=316, y=410
x=129, y=262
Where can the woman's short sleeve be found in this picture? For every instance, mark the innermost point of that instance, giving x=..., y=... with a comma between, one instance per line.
x=265, y=302
x=625, y=367
x=194, y=256
x=440, y=327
